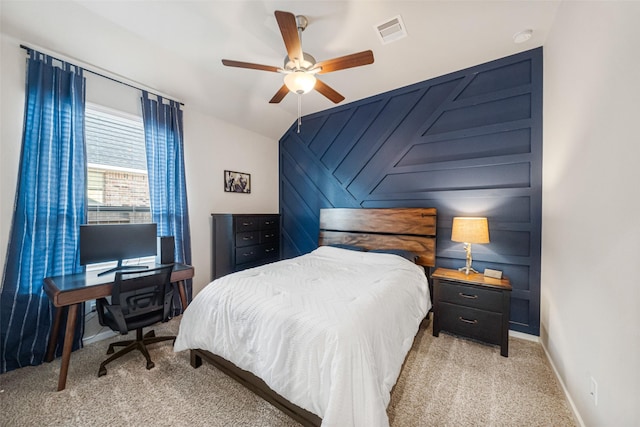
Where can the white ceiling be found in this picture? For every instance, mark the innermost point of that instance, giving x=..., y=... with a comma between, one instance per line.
x=175, y=47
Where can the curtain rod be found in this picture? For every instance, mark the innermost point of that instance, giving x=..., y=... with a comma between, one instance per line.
x=29, y=50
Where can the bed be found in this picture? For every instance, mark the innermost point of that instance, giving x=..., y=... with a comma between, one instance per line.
x=323, y=336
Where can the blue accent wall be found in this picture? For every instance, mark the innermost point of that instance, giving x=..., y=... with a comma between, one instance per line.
x=468, y=143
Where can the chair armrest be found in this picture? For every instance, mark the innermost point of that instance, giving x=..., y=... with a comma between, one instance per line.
x=101, y=303
x=118, y=317
x=168, y=301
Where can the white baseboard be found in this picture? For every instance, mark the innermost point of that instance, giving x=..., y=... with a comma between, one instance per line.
x=524, y=336
x=98, y=337
x=576, y=414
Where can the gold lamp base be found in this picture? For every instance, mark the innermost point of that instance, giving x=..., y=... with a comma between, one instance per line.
x=467, y=268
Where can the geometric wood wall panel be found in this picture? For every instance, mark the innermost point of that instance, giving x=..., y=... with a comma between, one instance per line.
x=467, y=143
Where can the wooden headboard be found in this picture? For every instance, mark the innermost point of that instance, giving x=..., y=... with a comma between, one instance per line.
x=412, y=229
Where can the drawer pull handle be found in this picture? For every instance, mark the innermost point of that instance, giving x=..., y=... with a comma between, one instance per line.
x=269, y=250
x=247, y=238
x=247, y=223
x=467, y=296
x=462, y=319
x=247, y=254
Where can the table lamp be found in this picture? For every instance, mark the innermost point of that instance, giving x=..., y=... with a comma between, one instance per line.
x=469, y=230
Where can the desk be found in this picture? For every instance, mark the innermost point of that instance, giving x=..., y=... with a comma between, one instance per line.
x=75, y=289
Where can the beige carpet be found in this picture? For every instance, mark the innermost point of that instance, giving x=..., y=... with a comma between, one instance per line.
x=446, y=381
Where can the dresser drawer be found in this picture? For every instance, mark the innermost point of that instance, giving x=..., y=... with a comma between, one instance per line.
x=247, y=238
x=269, y=236
x=470, y=296
x=256, y=254
x=271, y=251
x=248, y=254
x=247, y=223
x=272, y=221
x=479, y=324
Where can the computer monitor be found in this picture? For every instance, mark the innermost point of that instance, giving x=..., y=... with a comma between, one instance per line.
x=117, y=242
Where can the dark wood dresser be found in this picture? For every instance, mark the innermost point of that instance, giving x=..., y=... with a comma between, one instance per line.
x=243, y=241
x=472, y=305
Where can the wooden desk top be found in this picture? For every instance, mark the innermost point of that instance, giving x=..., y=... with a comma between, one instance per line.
x=76, y=288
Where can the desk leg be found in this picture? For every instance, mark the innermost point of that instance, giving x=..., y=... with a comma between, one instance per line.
x=68, y=344
x=53, y=338
x=183, y=294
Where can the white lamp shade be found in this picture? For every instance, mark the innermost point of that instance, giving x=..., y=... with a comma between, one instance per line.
x=300, y=82
x=470, y=230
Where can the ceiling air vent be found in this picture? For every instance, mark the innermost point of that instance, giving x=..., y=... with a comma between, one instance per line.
x=391, y=30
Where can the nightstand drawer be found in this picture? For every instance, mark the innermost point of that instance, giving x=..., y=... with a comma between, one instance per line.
x=479, y=324
x=470, y=296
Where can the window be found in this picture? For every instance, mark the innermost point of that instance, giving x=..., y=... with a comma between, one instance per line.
x=117, y=182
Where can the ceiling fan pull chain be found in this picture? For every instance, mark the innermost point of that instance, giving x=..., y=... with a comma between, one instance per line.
x=299, y=111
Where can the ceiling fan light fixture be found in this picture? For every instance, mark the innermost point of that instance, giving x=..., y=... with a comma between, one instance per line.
x=300, y=82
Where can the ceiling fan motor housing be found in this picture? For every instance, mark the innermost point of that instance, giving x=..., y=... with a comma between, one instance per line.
x=306, y=64
x=302, y=22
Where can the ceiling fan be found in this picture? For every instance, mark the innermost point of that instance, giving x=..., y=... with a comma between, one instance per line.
x=300, y=68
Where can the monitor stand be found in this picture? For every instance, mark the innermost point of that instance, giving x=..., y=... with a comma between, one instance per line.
x=122, y=267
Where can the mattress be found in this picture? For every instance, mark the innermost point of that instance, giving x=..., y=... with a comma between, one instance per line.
x=328, y=330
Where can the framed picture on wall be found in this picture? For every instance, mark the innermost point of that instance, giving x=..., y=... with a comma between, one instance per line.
x=237, y=182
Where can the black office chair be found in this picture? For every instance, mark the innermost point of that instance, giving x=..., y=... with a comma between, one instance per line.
x=139, y=299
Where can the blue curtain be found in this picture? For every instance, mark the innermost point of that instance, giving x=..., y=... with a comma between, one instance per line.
x=167, y=184
x=48, y=210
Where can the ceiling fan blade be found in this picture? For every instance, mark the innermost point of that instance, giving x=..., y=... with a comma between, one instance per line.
x=289, y=30
x=327, y=91
x=282, y=92
x=348, y=61
x=240, y=64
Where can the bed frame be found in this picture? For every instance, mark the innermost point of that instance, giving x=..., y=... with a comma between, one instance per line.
x=412, y=229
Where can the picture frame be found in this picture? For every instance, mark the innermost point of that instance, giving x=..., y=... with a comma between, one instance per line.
x=237, y=182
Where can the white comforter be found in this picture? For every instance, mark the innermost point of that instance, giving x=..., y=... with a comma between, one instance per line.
x=328, y=330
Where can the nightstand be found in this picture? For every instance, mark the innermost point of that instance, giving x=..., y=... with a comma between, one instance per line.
x=472, y=305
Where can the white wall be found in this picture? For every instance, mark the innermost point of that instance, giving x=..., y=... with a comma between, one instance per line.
x=590, y=227
x=12, y=82
x=210, y=147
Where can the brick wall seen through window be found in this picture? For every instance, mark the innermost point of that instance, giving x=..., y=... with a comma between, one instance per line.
x=117, y=183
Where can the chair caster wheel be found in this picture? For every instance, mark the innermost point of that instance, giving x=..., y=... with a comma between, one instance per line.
x=102, y=372
x=150, y=365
